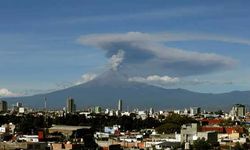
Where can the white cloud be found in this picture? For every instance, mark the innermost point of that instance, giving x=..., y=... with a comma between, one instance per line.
x=86, y=78
x=155, y=79
x=211, y=82
x=167, y=81
x=98, y=39
x=149, y=53
x=7, y=93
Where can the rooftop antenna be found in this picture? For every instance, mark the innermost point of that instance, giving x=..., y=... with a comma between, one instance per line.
x=45, y=103
x=45, y=111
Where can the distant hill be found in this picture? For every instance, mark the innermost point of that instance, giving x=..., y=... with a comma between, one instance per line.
x=106, y=89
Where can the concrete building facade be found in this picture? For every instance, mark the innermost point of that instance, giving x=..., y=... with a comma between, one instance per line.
x=71, y=107
x=3, y=106
x=238, y=110
x=189, y=132
x=120, y=104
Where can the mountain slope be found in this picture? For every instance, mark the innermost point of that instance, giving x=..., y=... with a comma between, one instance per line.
x=106, y=89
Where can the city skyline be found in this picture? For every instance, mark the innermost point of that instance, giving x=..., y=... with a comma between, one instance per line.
x=194, y=45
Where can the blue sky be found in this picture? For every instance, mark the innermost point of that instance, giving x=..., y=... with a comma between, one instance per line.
x=46, y=45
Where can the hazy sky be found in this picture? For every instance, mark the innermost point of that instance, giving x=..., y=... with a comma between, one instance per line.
x=196, y=45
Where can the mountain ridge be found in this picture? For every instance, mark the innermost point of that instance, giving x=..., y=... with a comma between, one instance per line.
x=106, y=89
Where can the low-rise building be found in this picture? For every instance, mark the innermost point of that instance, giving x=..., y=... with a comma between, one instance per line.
x=189, y=132
x=68, y=131
x=210, y=136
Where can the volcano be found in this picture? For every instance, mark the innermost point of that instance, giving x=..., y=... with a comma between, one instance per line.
x=106, y=89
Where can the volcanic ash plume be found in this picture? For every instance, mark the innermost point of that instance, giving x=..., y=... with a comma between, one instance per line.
x=116, y=60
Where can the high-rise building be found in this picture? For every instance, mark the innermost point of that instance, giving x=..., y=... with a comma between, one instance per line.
x=195, y=111
x=18, y=104
x=120, y=104
x=97, y=109
x=3, y=106
x=71, y=107
x=151, y=111
x=238, y=110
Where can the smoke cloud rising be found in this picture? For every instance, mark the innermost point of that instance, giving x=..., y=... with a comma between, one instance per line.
x=148, y=54
x=116, y=60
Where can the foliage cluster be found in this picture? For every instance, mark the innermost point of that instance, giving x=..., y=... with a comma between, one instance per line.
x=31, y=123
x=173, y=123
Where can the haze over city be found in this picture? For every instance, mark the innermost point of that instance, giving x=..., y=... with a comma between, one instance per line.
x=202, y=46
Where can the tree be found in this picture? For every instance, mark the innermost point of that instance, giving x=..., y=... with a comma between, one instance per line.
x=89, y=142
x=238, y=146
x=219, y=112
x=168, y=128
x=150, y=123
x=201, y=144
x=173, y=123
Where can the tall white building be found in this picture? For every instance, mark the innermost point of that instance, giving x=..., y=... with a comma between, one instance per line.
x=120, y=104
x=238, y=110
x=195, y=111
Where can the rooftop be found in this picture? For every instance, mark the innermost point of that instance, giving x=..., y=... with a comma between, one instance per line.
x=66, y=127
